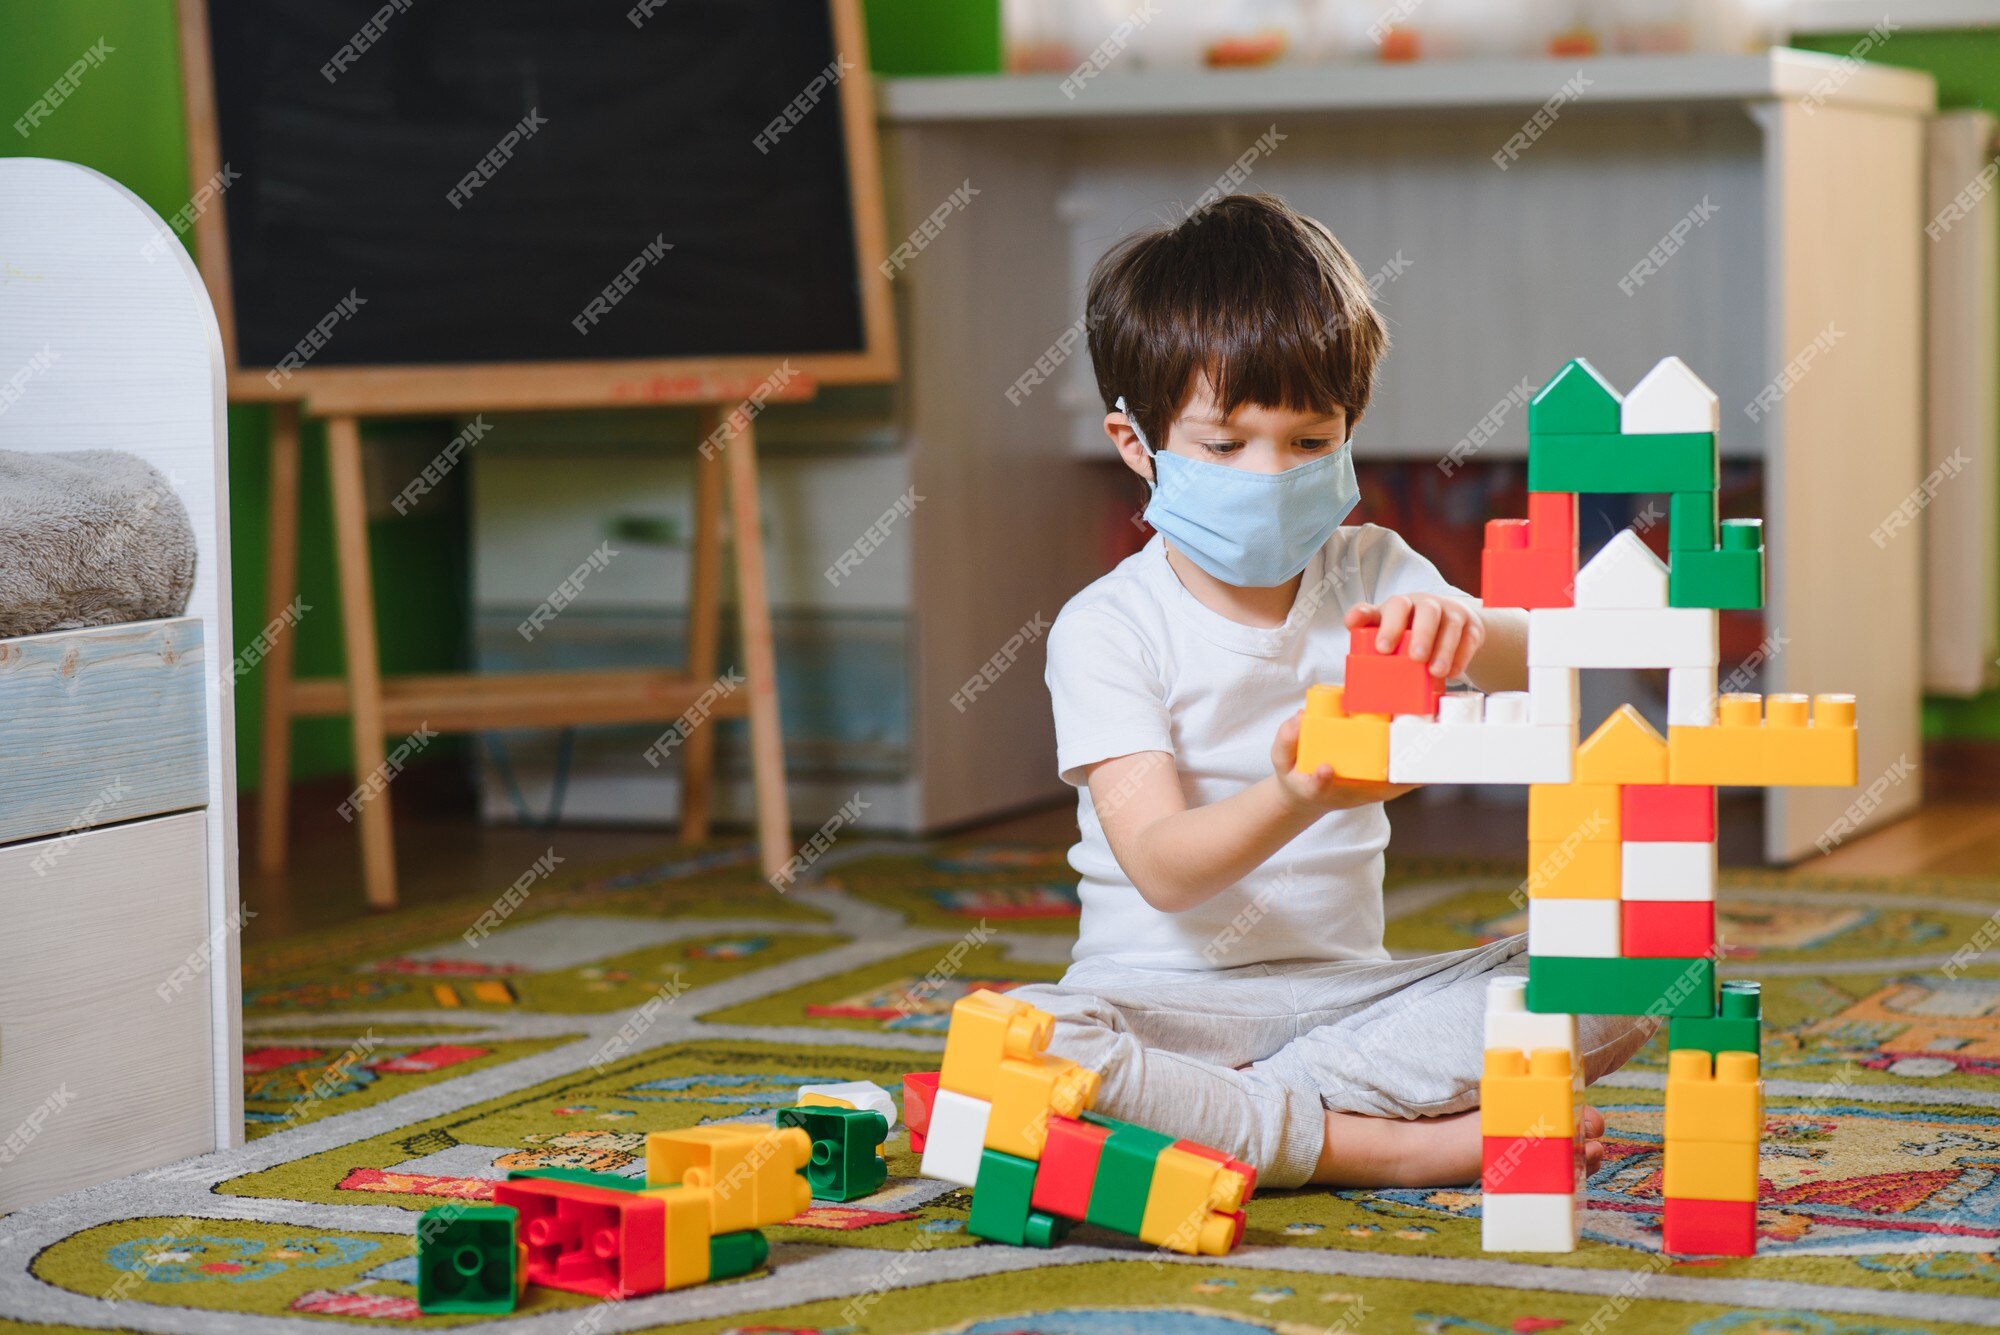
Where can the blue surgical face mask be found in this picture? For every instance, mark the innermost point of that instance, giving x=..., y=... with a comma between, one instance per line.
x=1252, y=530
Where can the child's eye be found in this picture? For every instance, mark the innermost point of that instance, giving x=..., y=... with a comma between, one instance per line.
x=1316, y=443
x=1221, y=448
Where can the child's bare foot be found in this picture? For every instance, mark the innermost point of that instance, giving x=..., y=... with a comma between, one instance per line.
x=1362, y=1151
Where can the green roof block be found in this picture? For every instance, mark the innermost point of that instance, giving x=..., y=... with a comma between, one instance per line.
x=1578, y=401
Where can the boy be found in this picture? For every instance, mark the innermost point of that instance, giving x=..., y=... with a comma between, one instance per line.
x=1230, y=982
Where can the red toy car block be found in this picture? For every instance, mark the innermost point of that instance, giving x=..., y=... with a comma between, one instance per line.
x=919, y=1090
x=1392, y=683
x=1709, y=1228
x=1666, y=929
x=1068, y=1168
x=608, y=1244
x=1651, y=813
x=1208, y=1152
x=1520, y=1165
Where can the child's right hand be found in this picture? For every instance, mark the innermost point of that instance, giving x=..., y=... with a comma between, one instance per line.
x=1322, y=789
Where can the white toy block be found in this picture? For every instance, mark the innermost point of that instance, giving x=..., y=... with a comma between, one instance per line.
x=1510, y=1024
x=1681, y=872
x=955, y=1137
x=1625, y=574
x=1672, y=398
x=1610, y=637
x=1477, y=739
x=855, y=1094
x=1690, y=697
x=1552, y=696
x=1574, y=928
x=1528, y=1222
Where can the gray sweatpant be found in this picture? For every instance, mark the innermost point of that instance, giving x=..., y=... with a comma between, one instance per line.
x=1247, y=1060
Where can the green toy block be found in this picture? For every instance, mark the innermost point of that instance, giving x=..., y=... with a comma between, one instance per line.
x=1578, y=401
x=1677, y=462
x=1737, y=1026
x=1576, y=986
x=1045, y=1230
x=1691, y=522
x=844, y=1164
x=1124, y=1175
x=581, y=1177
x=1729, y=579
x=466, y=1259
x=733, y=1254
x=1000, y=1198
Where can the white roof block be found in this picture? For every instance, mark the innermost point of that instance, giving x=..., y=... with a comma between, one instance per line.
x=1625, y=574
x=1670, y=398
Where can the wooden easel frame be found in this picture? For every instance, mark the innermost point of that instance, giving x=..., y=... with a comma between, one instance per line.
x=459, y=702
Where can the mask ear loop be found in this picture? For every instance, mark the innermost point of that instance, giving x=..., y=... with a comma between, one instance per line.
x=1132, y=421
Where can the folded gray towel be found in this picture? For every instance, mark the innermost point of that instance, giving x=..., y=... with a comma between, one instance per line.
x=91, y=538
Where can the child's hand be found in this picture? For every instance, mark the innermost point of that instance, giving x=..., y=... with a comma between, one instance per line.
x=1322, y=788
x=1443, y=630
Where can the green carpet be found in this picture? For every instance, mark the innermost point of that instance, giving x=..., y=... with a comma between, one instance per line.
x=408, y=1060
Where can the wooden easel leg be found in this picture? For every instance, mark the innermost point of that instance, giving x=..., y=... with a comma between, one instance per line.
x=760, y=660
x=281, y=586
x=704, y=630
x=364, y=667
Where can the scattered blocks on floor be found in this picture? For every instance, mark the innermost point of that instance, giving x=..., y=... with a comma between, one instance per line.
x=919, y=1089
x=1667, y=813
x=1388, y=683
x=845, y=1163
x=1736, y=1026
x=1665, y=987
x=468, y=1259
x=607, y=1244
x=851, y=1094
x=754, y=1173
x=1027, y=1092
x=956, y=1137
x=987, y=1027
x=1769, y=742
x=1355, y=745
x=1664, y=929
x=1624, y=749
x=1000, y=1198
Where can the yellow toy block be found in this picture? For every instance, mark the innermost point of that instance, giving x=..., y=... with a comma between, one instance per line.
x=1026, y=1092
x=1770, y=742
x=1722, y=1103
x=1624, y=749
x=1710, y=1170
x=1584, y=812
x=1528, y=1094
x=751, y=1173
x=1574, y=870
x=1356, y=745
x=986, y=1028
x=690, y=1221
x=1184, y=1207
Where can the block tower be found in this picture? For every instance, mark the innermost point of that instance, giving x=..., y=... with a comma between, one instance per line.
x=1621, y=826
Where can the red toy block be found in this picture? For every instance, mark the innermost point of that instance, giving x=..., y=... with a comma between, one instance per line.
x=608, y=1244
x=1524, y=1165
x=1708, y=1228
x=1206, y=1152
x=1068, y=1168
x=1532, y=562
x=1552, y=521
x=1667, y=813
x=919, y=1090
x=1392, y=683
x=1666, y=929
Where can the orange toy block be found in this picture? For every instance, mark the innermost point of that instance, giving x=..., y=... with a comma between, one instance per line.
x=987, y=1028
x=1776, y=745
x=1528, y=1094
x=1356, y=745
x=1026, y=1092
x=1624, y=749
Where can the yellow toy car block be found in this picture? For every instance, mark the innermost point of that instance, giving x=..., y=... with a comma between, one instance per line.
x=1624, y=749
x=987, y=1028
x=1356, y=745
x=1570, y=870
x=1190, y=1206
x=1584, y=812
x=1722, y=1103
x=1710, y=1170
x=1528, y=1094
x=1770, y=743
x=751, y=1173
x=1026, y=1092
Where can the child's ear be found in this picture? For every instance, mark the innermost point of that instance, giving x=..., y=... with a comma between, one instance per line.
x=1353, y=424
x=1136, y=456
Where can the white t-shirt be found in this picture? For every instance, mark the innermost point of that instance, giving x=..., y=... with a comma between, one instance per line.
x=1136, y=663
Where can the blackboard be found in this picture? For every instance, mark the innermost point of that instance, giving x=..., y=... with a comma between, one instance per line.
x=527, y=181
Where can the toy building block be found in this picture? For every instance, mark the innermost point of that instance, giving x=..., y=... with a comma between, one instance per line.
x=1704, y=1170
x=1573, y=869
x=581, y=1177
x=1480, y=739
x=1237, y=1166
x=1356, y=745
x=733, y=1254
x=919, y=1089
x=844, y=1165
x=1528, y=1222
x=1193, y=1205
x=1714, y=1098
x=1665, y=987
x=1529, y=1093
x=1732, y=576
x=850, y=1094
x=689, y=1252
x=608, y=1244
x=754, y=1174
x=1585, y=812
x=1780, y=748
x=1690, y=697
x=1691, y=522
x=1552, y=697
x=1027, y=1092
x=1393, y=683
x=1530, y=1165
x=985, y=1028
x=955, y=1137
x=1510, y=1024
x=1625, y=465
x=1709, y=1228
x=1656, y=813
x=1068, y=1168
x=1665, y=929
x=1624, y=749
x=1682, y=872
x=1614, y=637
x=1737, y=1025
x=1625, y=574
x=468, y=1259
x=1670, y=398
x=1586, y=928
x=1000, y=1198
x=1531, y=562
x=1576, y=401
x=1124, y=1174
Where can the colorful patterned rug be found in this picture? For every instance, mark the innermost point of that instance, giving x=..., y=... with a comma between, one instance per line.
x=412, y=1059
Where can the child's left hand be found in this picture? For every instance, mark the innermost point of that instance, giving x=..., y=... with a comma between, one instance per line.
x=1442, y=630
